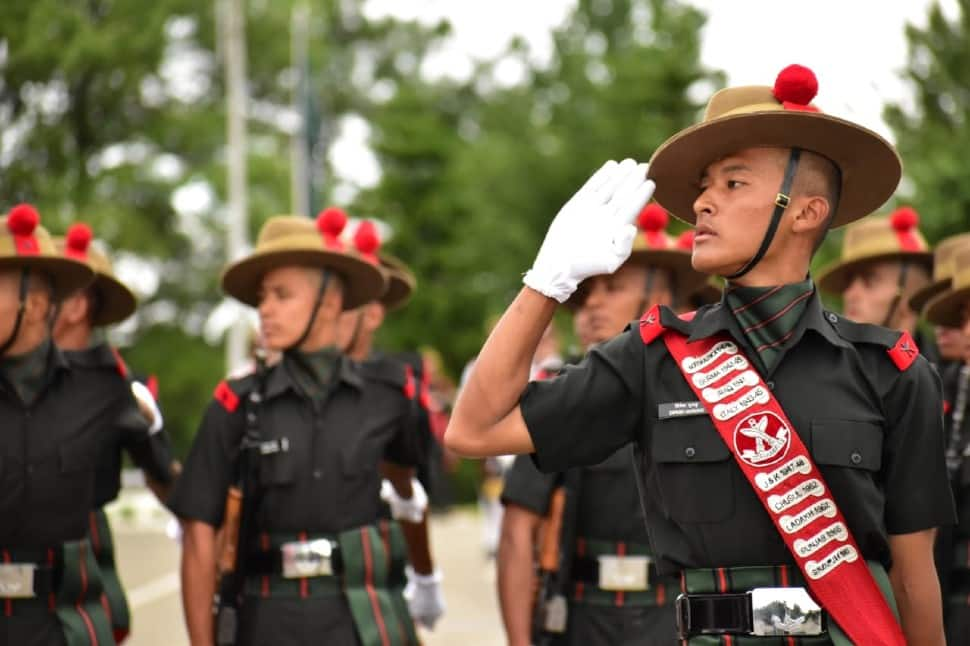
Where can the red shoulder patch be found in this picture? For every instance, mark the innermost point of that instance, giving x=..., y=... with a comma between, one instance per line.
x=409, y=387
x=152, y=384
x=650, y=325
x=946, y=407
x=225, y=396
x=905, y=351
x=120, y=363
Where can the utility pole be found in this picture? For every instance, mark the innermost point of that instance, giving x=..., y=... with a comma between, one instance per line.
x=234, y=49
x=299, y=142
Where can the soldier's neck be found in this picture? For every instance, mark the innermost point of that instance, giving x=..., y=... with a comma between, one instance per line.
x=75, y=337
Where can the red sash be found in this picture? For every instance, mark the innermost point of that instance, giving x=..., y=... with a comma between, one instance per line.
x=780, y=470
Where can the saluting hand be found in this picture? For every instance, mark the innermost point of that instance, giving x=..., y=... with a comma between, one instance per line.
x=593, y=233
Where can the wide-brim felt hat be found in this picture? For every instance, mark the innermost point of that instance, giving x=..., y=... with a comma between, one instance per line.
x=943, y=265
x=288, y=240
x=400, y=282
x=947, y=309
x=781, y=116
x=24, y=244
x=115, y=301
x=877, y=239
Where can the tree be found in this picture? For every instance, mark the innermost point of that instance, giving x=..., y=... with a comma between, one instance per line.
x=933, y=137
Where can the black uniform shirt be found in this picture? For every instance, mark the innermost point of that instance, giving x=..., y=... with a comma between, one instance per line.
x=48, y=453
x=327, y=479
x=128, y=431
x=874, y=431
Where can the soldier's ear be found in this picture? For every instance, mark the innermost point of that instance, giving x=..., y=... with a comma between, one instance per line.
x=811, y=215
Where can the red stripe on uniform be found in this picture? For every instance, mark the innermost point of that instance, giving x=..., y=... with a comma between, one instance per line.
x=722, y=585
x=385, y=529
x=783, y=572
x=304, y=582
x=620, y=596
x=580, y=551
x=79, y=605
x=264, y=580
x=369, y=586
x=728, y=640
x=95, y=538
x=51, y=597
x=661, y=594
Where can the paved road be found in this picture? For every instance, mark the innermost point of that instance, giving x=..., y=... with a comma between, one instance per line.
x=148, y=562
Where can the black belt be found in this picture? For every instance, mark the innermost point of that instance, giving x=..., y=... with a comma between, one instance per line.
x=706, y=614
x=271, y=562
x=587, y=570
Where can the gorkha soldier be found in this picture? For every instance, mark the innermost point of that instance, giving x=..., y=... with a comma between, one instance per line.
x=951, y=309
x=951, y=343
x=603, y=573
x=298, y=447
x=79, y=318
x=52, y=420
x=356, y=336
x=885, y=261
x=808, y=450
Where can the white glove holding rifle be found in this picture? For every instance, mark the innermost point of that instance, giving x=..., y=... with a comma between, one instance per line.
x=593, y=233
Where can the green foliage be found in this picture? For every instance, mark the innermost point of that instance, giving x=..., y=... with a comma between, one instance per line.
x=933, y=136
x=474, y=172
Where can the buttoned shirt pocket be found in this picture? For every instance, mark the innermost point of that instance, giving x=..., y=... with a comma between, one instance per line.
x=847, y=443
x=78, y=455
x=695, y=471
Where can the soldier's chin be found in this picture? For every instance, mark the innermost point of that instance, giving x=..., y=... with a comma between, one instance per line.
x=708, y=260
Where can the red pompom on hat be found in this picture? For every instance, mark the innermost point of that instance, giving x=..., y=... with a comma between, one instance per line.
x=367, y=241
x=23, y=220
x=652, y=221
x=685, y=240
x=796, y=84
x=330, y=223
x=77, y=240
x=904, y=218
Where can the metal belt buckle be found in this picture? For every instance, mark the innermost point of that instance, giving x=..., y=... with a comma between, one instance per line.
x=17, y=580
x=784, y=611
x=626, y=573
x=310, y=559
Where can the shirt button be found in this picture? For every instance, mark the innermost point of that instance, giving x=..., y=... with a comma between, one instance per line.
x=856, y=458
x=690, y=452
x=833, y=318
x=771, y=385
x=317, y=474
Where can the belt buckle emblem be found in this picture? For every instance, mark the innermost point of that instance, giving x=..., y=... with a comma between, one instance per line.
x=304, y=560
x=626, y=573
x=17, y=580
x=784, y=611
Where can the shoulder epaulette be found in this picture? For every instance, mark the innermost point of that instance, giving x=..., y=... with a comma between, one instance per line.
x=226, y=396
x=120, y=364
x=900, y=346
x=651, y=326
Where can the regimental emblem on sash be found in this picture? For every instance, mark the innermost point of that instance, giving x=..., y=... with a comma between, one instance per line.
x=762, y=439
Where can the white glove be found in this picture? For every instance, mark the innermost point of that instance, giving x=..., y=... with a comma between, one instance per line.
x=411, y=509
x=593, y=233
x=148, y=406
x=423, y=594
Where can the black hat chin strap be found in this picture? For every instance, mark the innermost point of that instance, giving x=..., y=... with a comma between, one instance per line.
x=897, y=299
x=782, y=200
x=324, y=283
x=21, y=309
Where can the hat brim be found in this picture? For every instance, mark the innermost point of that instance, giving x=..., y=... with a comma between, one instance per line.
x=919, y=300
x=870, y=167
x=400, y=283
x=67, y=275
x=946, y=309
x=117, y=302
x=835, y=278
x=363, y=282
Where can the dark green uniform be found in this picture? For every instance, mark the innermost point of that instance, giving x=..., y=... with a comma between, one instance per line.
x=325, y=430
x=607, y=521
x=53, y=417
x=874, y=431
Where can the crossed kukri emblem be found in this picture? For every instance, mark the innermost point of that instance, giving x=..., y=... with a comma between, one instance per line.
x=766, y=445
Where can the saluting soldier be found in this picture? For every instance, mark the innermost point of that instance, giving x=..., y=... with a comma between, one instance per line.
x=52, y=419
x=808, y=453
x=356, y=336
x=80, y=317
x=604, y=574
x=885, y=260
x=950, y=308
x=297, y=447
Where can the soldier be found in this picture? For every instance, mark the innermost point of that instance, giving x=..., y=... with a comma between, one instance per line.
x=356, y=336
x=102, y=303
x=602, y=522
x=951, y=344
x=50, y=591
x=806, y=452
x=296, y=448
x=949, y=309
x=884, y=261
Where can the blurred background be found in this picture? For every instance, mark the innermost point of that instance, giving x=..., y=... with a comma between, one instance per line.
x=176, y=127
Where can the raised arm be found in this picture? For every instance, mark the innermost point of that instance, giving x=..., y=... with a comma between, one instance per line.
x=592, y=234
